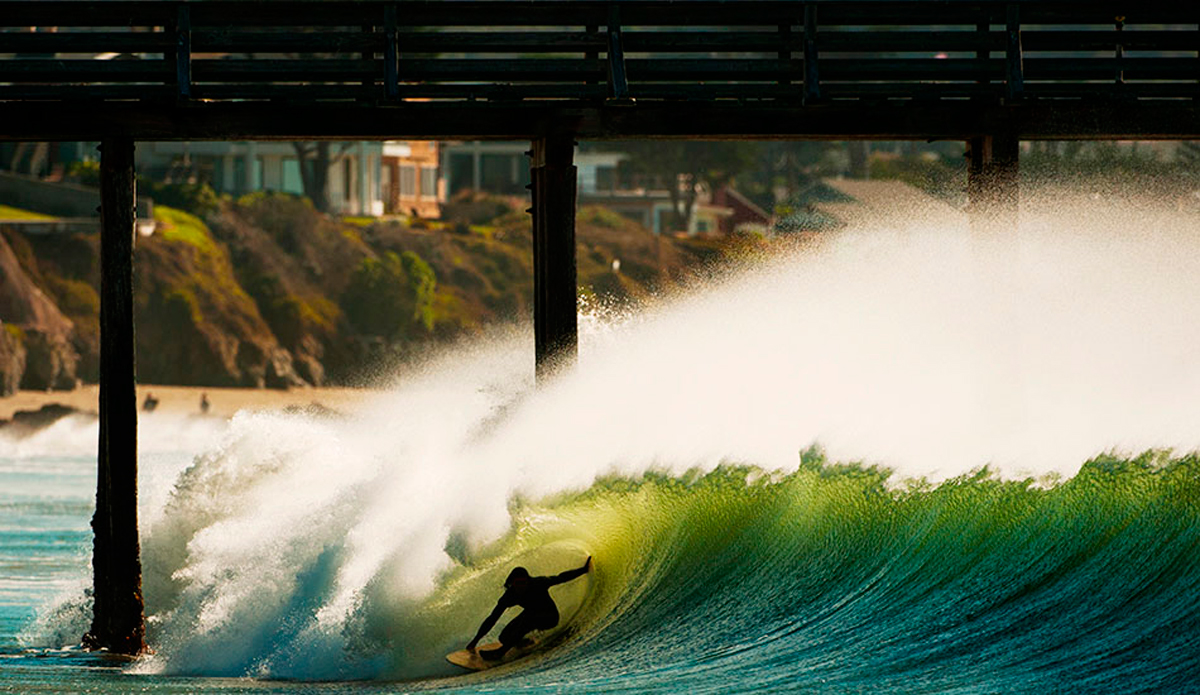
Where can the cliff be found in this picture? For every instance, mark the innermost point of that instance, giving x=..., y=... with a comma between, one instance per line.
x=265, y=291
x=35, y=347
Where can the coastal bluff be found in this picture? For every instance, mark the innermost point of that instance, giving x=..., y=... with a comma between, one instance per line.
x=264, y=291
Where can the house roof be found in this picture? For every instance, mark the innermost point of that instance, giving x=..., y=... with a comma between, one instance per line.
x=745, y=202
x=844, y=202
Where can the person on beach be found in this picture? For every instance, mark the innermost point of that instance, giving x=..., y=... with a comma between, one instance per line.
x=533, y=595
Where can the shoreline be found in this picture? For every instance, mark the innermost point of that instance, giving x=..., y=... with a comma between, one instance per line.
x=223, y=402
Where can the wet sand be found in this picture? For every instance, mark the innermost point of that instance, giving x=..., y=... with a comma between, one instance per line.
x=223, y=402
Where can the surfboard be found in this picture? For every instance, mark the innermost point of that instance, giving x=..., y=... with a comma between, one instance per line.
x=475, y=662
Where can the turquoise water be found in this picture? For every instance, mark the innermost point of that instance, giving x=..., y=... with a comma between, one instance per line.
x=964, y=531
x=823, y=580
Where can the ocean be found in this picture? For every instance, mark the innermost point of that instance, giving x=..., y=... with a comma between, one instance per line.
x=888, y=464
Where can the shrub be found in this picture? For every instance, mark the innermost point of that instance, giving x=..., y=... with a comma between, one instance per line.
x=180, y=226
x=86, y=173
x=180, y=312
x=391, y=294
x=76, y=298
x=601, y=217
x=290, y=220
x=15, y=332
x=198, y=199
x=290, y=317
x=475, y=207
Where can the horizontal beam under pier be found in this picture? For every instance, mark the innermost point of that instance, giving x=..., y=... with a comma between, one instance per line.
x=59, y=121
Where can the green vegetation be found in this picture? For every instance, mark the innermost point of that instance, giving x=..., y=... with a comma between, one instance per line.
x=15, y=332
x=10, y=213
x=196, y=323
x=475, y=207
x=391, y=294
x=684, y=167
x=85, y=173
x=270, y=290
x=75, y=298
x=181, y=312
x=601, y=217
x=290, y=316
x=933, y=174
x=197, y=198
x=179, y=226
x=253, y=200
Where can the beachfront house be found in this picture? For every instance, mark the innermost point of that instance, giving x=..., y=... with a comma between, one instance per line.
x=353, y=176
x=503, y=168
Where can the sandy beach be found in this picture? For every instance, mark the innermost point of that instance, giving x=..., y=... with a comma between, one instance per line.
x=223, y=402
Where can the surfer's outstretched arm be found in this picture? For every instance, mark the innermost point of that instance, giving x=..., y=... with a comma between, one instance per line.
x=571, y=574
x=488, y=622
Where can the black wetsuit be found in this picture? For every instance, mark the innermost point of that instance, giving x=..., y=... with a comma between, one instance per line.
x=540, y=611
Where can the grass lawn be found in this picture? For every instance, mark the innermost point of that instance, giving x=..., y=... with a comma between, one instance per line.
x=11, y=213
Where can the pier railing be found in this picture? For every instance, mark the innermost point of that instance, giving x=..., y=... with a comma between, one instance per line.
x=614, y=51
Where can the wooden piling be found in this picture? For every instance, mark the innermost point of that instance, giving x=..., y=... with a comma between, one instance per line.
x=555, y=318
x=993, y=189
x=117, y=623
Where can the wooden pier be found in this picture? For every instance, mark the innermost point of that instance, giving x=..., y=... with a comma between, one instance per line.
x=550, y=72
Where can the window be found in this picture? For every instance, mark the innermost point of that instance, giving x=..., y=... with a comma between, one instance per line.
x=256, y=174
x=639, y=216
x=429, y=182
x=348, y=179
x=461, y=174
x=239, y=176
x=408, y=181
x=385, y=186
x=292, y=183
x=665, y=220
x=499, y=175
x=606, y=179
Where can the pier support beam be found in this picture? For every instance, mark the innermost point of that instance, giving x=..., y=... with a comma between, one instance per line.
x=555, y=321
x=117, y=623
x=993, y=170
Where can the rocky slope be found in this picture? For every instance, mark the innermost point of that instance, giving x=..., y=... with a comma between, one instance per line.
x=35, y=347
x=265, y=291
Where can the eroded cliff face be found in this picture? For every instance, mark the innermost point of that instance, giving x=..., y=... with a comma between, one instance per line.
x=196, y=325
x=35, y=345
x=267, y=292
x=12, y=360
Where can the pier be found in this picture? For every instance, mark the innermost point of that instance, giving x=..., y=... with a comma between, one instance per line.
x=551, y=72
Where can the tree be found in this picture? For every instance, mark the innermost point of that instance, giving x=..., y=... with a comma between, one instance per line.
x=785, y=167
x=684, y=167
x=315, y=160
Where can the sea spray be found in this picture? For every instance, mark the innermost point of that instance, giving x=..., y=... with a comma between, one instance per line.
x=312, y=548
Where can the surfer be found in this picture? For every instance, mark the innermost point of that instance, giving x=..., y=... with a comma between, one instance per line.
x=533, y=595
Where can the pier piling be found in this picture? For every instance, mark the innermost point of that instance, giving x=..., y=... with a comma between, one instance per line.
x=117, y=623
x=554, y=303
x=993, y=190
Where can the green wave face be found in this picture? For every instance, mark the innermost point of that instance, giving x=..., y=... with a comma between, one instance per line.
x=832, y=576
